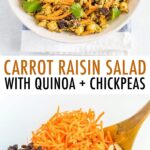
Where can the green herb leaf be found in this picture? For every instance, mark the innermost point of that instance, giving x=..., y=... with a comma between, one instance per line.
x=77, y=10
x=115, y=13
x=31, y=6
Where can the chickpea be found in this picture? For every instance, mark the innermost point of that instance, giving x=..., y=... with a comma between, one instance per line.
x=102, y=2
x=47, y=9
x=124, y=7
x=93, y=16
x=116, y=3
x=81, y=2
x=56, y=1
x=52, y=26
x=84, y=1
x=42, y=23
x=79, y=30
x=103, y=21
x=93, y=27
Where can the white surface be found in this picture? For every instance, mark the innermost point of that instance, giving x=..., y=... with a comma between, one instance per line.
x=20, y=115
x=29, y=22
x=10, y=30
x=116, y=43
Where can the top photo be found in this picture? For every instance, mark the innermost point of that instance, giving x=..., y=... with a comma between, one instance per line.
x=74, y=27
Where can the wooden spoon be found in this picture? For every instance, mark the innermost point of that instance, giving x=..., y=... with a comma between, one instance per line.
x=124, y=133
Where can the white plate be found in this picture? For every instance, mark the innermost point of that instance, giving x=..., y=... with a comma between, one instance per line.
x=29, y=21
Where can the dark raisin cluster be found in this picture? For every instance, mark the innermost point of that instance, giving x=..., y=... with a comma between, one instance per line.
x=24, y=147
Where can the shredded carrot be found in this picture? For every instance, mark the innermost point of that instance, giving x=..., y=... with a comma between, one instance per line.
x=43, y=17
x=59, y=17
x=86, y=33
x=49, y=1
x=108, y=4
x=56, y=13
x=67, y=3
x=92, y=9
x=100, y=116
x=76, y=130
x=59, y=1
x=85, y=21
x=40, y=17
x=109, y=136
x=89, y=3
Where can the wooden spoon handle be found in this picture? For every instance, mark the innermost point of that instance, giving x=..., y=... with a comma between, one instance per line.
x=124, y=133
x=137, y=119
x=144, y=112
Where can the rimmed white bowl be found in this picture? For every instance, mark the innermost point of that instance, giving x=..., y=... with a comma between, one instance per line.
x=29, y=22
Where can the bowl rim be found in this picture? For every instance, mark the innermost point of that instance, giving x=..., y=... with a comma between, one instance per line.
x=83, y=40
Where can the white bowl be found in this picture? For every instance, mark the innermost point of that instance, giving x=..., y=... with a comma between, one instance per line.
x=29, y=22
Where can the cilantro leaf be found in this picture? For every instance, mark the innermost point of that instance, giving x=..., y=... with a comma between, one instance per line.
x=77, y=10
x=115, y=13
x=31, y=6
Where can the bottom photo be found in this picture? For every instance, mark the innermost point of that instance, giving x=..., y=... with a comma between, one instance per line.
x=77, y=122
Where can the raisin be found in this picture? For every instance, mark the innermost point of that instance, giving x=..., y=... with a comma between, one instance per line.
x=70, y=17
x=30, y=145
x=24, y=146
x=14, y=147
x=39, y=148
x=104, y=11
x=62, y=24
x=76, y=1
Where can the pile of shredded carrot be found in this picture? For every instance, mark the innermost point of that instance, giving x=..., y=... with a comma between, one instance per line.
x=76, y=130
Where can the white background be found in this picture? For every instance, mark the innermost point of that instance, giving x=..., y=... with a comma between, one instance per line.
x=20, y=115
x=10, y=30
